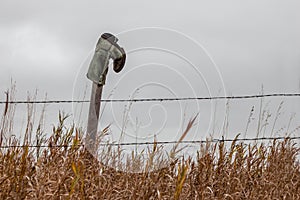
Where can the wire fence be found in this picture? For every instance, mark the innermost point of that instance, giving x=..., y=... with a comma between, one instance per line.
x=156, y=99
x=158, y=142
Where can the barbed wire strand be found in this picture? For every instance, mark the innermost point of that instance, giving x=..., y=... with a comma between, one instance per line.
x=156, y=99
x=162, y=142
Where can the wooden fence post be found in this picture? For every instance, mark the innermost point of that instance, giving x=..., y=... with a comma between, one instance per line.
x=93, y=117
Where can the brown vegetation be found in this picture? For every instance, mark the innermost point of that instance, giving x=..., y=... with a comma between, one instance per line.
x=60, y=168
x=243, y=171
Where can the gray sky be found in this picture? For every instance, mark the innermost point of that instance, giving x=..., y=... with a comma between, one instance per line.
x=197, y=49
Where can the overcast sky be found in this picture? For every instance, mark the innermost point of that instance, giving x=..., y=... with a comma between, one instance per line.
x=175, y=49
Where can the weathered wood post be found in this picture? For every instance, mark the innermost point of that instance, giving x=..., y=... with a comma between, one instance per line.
x=106, y=49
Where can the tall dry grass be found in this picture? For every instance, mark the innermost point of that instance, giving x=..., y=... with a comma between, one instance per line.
x=61, y=168
x=261, y=171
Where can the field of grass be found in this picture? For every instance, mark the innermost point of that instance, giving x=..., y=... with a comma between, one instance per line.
x=257, y=171
x=60, y=167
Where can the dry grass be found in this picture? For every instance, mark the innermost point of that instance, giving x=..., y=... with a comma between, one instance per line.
x=240, y=172
x=218, y=171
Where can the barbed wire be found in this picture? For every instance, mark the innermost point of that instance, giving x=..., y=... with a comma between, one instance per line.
x=158, y=99
x=158, y=142
x=155, y=99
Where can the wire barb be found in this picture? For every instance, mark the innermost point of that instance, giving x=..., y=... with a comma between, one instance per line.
x=157, y=99
x=157, y=142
